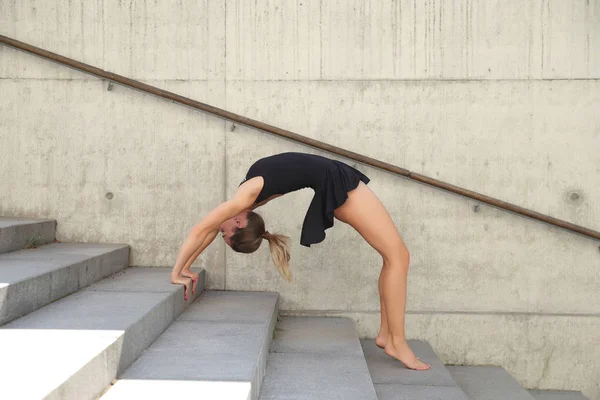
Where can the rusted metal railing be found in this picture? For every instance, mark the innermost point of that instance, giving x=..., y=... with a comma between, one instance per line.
x=295, y=137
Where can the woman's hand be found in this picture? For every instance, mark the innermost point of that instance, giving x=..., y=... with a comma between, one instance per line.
x=189, y=274
x=187, y=285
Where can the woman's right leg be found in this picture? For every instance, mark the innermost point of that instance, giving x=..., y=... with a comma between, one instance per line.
x=365, y=213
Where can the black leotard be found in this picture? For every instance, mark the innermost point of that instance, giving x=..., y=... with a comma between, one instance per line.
x=331, y=180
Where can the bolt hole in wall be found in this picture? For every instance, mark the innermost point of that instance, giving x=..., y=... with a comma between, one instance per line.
x=109, y=195
x=575, y=196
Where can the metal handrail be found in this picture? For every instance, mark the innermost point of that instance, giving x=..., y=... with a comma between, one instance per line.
x=295, y=137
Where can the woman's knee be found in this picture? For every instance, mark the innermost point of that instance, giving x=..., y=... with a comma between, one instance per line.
x=400, y=256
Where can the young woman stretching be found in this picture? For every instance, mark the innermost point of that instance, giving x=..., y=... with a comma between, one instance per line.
x=340, y=192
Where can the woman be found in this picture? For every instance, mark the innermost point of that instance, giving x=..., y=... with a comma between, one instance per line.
x=340, y=192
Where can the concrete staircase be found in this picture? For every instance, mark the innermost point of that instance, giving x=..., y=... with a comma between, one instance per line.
x=75, y=318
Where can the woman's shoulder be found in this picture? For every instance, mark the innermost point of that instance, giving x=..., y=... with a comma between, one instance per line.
x=252, y=186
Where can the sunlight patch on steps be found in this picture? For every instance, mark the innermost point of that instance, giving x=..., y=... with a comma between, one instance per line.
x=167, y=389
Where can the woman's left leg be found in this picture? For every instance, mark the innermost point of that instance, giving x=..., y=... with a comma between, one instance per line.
x=365, y=213
x=382, y=337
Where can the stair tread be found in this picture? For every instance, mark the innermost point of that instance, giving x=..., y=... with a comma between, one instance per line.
x=316, y=358
x=394, y=381
x=6, y=222
x=22, y=264
x=17, y=233
x=488, y=383
x=31, y=279
x=557, y=395
x=386, y=370
x=214, y=348
x=386, y=391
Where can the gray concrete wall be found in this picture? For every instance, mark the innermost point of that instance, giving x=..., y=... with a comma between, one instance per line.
x=500, y=97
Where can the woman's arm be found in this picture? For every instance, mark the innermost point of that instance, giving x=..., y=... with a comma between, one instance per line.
x=209, y=239
x=185, y=272
x=201, y=230
x=242, y=200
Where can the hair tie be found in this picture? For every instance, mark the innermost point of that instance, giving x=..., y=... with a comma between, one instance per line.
x=266, y=235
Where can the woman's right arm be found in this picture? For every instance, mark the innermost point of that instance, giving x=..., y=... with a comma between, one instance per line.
x=185, y=272
x=209, y=239
x=242, y=200
x=200, y=232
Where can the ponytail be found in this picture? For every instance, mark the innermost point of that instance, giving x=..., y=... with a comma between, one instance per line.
x=280, y=253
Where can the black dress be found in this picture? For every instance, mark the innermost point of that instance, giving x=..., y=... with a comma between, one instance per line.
x=331, y=180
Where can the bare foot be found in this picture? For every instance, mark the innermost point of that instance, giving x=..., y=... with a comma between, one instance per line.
x=404, y=354
x=381, y=341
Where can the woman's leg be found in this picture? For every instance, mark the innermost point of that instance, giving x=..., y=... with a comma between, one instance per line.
x=382, y=337
x=365, y=213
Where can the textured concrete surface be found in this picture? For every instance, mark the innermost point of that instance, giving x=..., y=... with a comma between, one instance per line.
x=16, y=233
x=348, y=40
x=488, y=383
x=556, y=395
x=30, y=279
x=387, y=391
x=314, y=39
x=316, y=336
x=118, y=197
x=80, y=343
x=498, y=97
x=393, y=380
x=316, y=358
x=218, y=346
x=147, y=40
x=232, y=307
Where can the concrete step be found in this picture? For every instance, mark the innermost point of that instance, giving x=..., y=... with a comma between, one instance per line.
x=17, y=233
x=75, y=347
x=393, y=381
x=488, y=383
x=30, y=279
x=316, y=358
x=217, y=349
x=556, y=395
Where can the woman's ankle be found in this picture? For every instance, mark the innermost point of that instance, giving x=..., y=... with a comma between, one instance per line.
x=397, y=340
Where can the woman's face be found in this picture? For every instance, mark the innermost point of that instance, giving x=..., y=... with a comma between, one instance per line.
x=229, y=227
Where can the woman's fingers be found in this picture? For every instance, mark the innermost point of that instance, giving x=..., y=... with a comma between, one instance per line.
x=194, y=284
x=187, y=285
x=194, y=276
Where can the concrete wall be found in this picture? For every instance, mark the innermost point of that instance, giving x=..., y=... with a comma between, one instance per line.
x=500, y=97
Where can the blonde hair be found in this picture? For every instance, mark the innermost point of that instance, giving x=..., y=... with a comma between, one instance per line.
x=249, y=238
